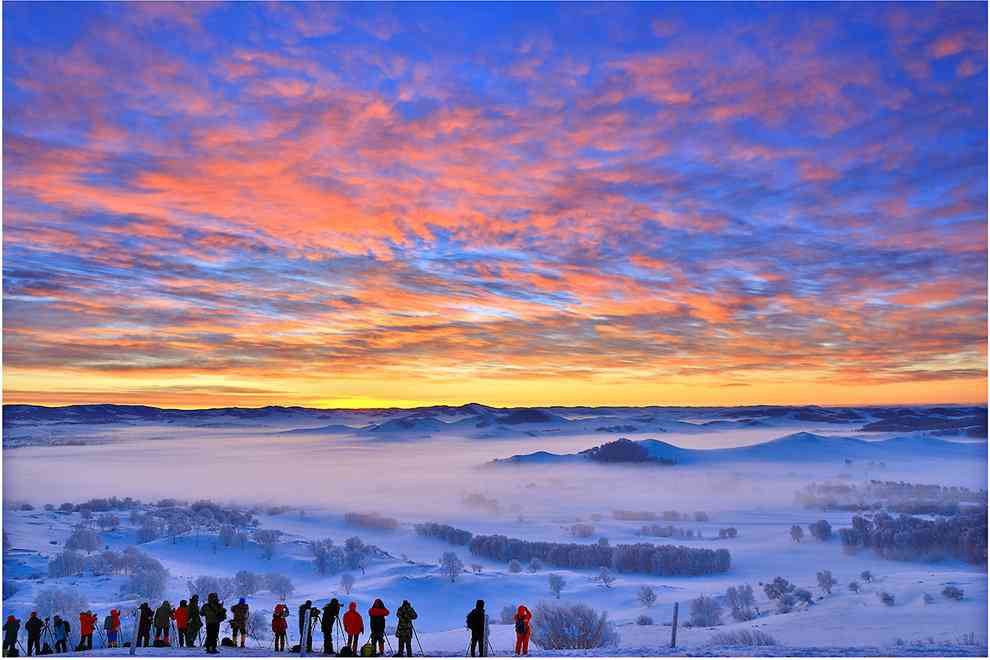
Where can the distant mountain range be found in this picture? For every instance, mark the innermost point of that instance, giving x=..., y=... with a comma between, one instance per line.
x=481, y=421
x=793, y=448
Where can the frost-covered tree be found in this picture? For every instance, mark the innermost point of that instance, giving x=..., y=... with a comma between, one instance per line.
x=952, y=592
x=534, y=565
x=451, y=565
x=786, y=603
x=227, y=535
x=566, y=627
x=797, y=533
x=826, y=581
x=248, y=583
x=647, y=596
x=279, y=585
x=741, y=602
x=804, y=596
x=705, y=612
x=515, y=566
x=557, y=584
x=347, y=582
x=605, y=578
x=778, y=588
x=854, y=587
x=150, y=529
x=267, y=539
x=66, y=563
x=107, y=521
x=866, y=576
x=148, y=578
x=85, y=539
x=63, y=601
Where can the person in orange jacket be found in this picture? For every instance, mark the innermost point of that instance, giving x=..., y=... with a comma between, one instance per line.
x=87, y=624
x=523, y=630
x=181, y=621
x=376, y=619
x=280, y=626
x=353, y=626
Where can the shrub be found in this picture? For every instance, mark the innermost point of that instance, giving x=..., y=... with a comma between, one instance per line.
x=954, y=593
x=644, y=620
x=821, y=530
x=786, y=603
x=571, y=627
x=886, y=598
x=347, y=582
x=854, y=587
x=647, y=596
x=826, y=581
x=515, y=566
x=55, y=600
x=803, y=596
x=742, y=638
x=557, y=584
x=705, y=612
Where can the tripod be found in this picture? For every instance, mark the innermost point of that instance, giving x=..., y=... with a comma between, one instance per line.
x=103, y=640
x=47, y=630
x=416, y=634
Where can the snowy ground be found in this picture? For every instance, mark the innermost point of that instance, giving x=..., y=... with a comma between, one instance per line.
x=423, y=479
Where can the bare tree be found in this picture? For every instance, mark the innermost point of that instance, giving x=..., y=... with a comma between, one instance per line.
x=557, y=584
x=451, y=565
x=826, y=581
x=605, y=578
x=647, y=596
x=797, y=533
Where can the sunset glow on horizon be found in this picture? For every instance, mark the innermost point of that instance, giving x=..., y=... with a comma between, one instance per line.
x=370, y=205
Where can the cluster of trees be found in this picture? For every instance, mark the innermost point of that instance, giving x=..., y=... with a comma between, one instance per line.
x=728, y=533
x=742, y=602
x=244, y=583
x=582, y=530
x=330, y=559
x=83, y=538
x=906, y=537
x=451, y=535
x=56, y=600
x=371, y=521
x=666, y=516
x=705, y=612
x=99, y=504
x=638, y=558
x=623, y=450
x=147, y=579
x=621, y=514
x=894, y=496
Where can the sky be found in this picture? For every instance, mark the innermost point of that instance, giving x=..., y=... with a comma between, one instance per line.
x=518, y=204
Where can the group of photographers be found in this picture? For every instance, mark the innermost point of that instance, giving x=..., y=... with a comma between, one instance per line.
x=186, y=621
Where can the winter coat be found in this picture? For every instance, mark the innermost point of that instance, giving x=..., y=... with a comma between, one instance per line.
x=12, y=627
x=279, y=624
x=195, y=621
x=107, y=623
x=213, y=611
x=405, y=614
x=60, y=629
x=523, y=615
x=87, y=623
x=305, y=607
x=114, y=620
x=376, y=618
x=34, y=626
x=147, y=614
x=163, y=615
x=330, y=613
x=353, y=623
x=182, y=617
x=240, y=612
x=476, y=619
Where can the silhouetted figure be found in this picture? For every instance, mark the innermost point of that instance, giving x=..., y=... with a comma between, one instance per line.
x=476, y=620
x=404, y=629
x=331, y=614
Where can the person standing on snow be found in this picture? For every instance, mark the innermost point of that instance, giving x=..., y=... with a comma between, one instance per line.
x=195, y=621
x=33, y=627
x=376, y=619
x=145, y=617
x=404, y=630
x=239, y=623
x=353, y=626
x=523, y=630
x=111, y=624
x=10, y=630
x=331, y=613
x=214, y=613
x=87, y=624
x=60, y=633
x=476, y=622
x=163, y=622
x=182, y=622
x=280, y=626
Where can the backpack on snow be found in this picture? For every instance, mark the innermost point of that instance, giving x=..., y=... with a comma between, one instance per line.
x=520, y=627
x=368, y=650
x=227, y=641
x=345, y=652
x=294, y=649
x=12, y=653
x=160, y=643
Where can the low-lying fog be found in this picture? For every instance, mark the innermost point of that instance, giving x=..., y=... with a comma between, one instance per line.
x=422, y=477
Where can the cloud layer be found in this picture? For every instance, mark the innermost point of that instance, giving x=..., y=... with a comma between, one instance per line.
x=327, y=204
